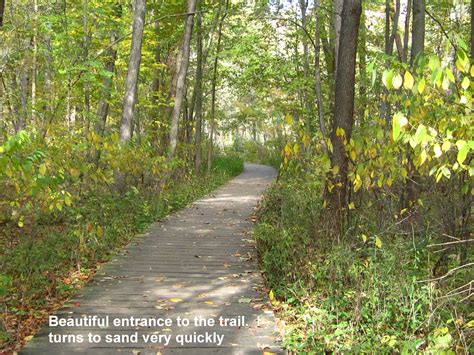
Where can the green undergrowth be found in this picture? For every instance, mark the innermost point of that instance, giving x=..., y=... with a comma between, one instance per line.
x=40, y=267
x=268, y=153
x=360, y=294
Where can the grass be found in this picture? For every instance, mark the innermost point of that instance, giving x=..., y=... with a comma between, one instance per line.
x=48, y=264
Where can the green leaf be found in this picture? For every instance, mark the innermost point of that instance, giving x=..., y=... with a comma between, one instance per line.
x=450, y=75
x=463, y=149
x=387, y=77
x=421, y=134
x=398, y=122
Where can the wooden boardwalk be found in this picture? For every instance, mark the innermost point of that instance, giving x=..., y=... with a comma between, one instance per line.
x=199, y=262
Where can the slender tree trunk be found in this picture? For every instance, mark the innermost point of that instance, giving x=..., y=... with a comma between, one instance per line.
x=198, y=96
x=181, y=79
x=344, y=108
x=406, y=34
x=362, y=48
x=338, y=8
x=85, y=49
x=2, y=11
x=472, y=30
x=34, y=61
x=103, y=108
x=317, y=74
x=307, y=105
x=418, y=29
x=131, y=82
x=212, y=121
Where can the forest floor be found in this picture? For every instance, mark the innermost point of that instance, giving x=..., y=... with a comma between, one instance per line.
x=199, y=262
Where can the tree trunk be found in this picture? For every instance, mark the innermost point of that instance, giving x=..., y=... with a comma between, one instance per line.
x=343, y=108
x=131, y=82
x=338, y=9
x=103, y=109
x=34, y=61
x=198, y=96
x=472, y=30
x=213, y=91
x=362, y=48
x=85, y=49
x=418, y=29
x=317, y=74
x=2, y=11
x=307, y=106
x=181, y=78
x=406, y=35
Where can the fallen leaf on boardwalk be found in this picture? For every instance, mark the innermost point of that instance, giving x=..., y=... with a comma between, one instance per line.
x=197, y=256
x=178, y=285
x=245, y=300
x=209, y=302
x=263, y=346
x=29, y=337
x=175, y=300
x=237, y=254
x=160, y=279
x=77, y=304
x=226, y=265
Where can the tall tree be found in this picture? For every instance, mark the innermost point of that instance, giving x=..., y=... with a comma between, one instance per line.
x=213, y=90
x=2, y=11
x=131, y=82
x=472, y=29
x=198, y=93
x=418, y=29
x=103, y=107
x=181, y=78
x=343, y=119
x=317, y=72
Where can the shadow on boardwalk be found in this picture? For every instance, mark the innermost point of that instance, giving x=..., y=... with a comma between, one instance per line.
x=200, y=261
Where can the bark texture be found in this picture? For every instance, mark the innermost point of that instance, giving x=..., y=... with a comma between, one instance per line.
x=131, y=82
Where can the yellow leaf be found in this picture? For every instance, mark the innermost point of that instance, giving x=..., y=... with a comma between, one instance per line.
x=209, y=302
x=68, y=201
x=364, y=238
x=397, y=81
x=408, y=80
x=351, y=206
x=289, y=119
x=366, y=263
x=378, y=242
x=421, y=86
x=21, y=224
x=99, y=231
x=2, y=149
x=465, y=83
x=353, y=155
x=446, y=146
x=175, y=300
x=271, y=295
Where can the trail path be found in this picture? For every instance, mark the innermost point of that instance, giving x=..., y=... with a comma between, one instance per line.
x=200, y=261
